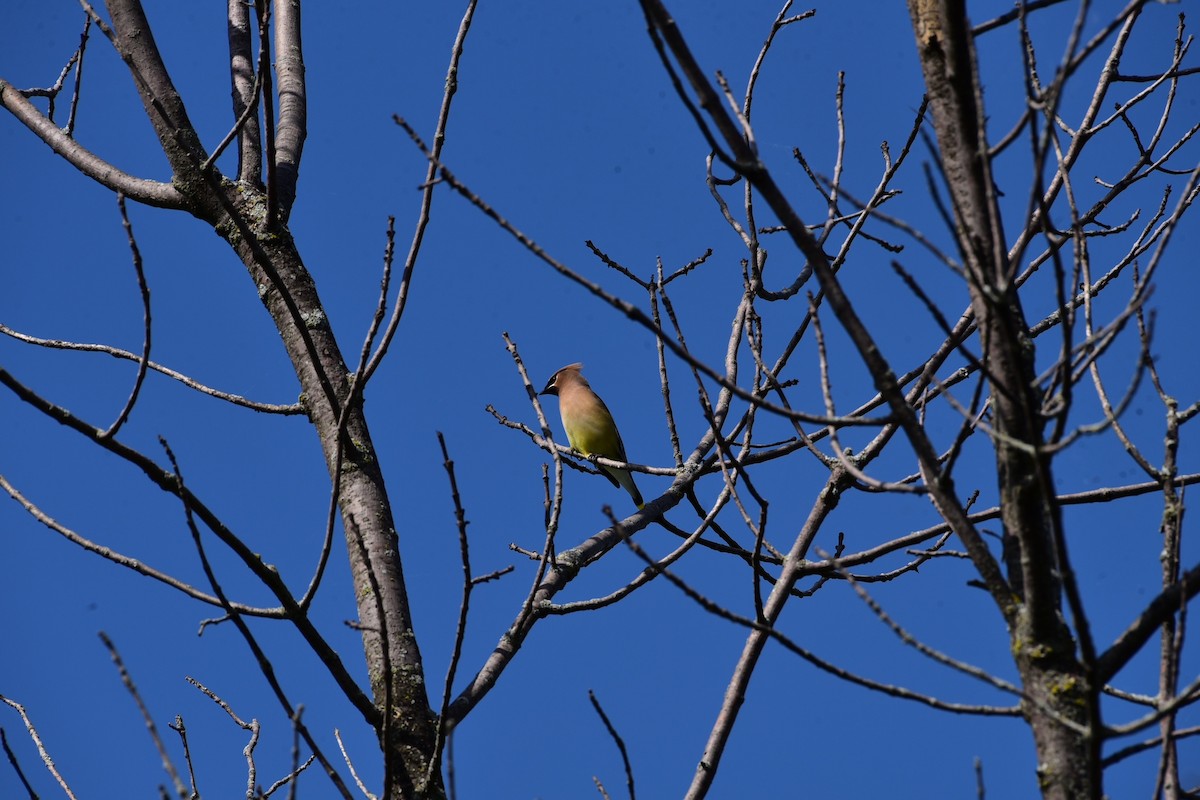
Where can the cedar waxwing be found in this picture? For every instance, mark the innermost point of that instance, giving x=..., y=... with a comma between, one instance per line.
x=589, y=425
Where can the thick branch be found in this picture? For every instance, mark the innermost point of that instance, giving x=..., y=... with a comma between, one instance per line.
x=241, y=73
x=1161, y=608
x=135, y=43
x=735, y=692
x=568, y=565
x=293, y=102
x=152, y=193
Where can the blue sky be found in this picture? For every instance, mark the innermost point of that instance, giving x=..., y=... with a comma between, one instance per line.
x=565, y=123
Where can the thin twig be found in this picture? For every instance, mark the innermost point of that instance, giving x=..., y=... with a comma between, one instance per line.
x=41, y=748
x=620, y=743
x=144, y=290
x=151, y=728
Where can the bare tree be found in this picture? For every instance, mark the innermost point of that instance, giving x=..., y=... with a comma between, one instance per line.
x=1053, y=287
x=250, y=211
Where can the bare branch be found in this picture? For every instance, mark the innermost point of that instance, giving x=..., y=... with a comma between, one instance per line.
x=169, y=483
x=293, y=102
x=620, y=743
x=12, y=760
x=146, y=326
x=350, y=765
x=823, y=665
x=152, y=193
x=37, y=740
x=151, y=728
x=263, y=661
x=246, y=85
x=135, y=564
x=116, y=352
x=135, y=43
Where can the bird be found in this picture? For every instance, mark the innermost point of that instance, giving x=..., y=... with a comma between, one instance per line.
x=589, y=425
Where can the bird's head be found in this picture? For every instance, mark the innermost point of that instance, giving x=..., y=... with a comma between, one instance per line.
x=568, y=374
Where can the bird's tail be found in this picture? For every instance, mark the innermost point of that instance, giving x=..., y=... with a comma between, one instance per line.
x=626, y=480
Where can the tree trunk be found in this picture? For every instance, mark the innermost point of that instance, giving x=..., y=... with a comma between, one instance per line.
x=289, y=294
x=253, y=221
x=1062, y=702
